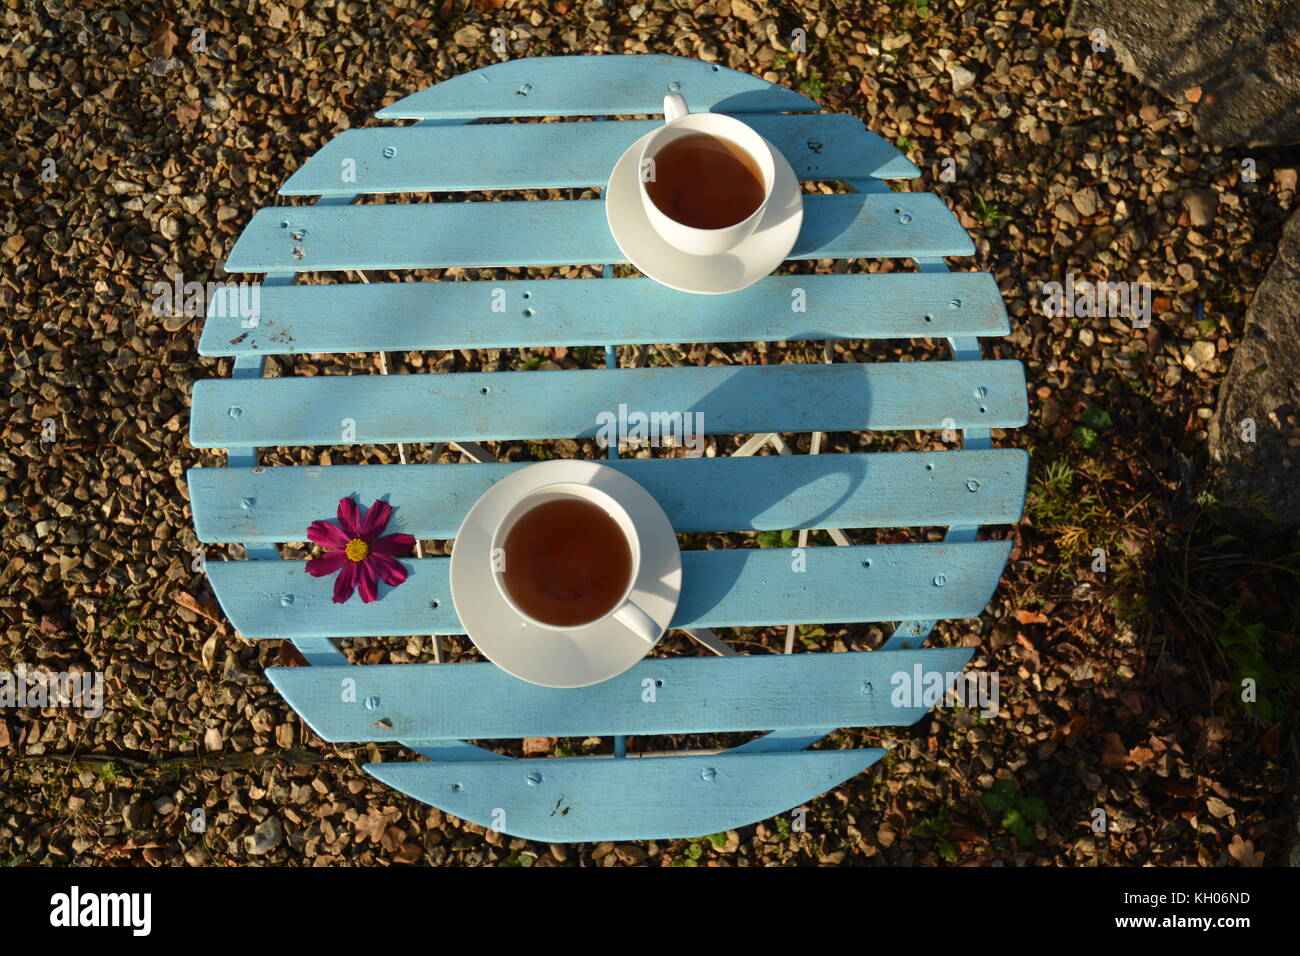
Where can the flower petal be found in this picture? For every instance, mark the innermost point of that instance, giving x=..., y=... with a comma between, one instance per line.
x=348, y=517
x=326, y=535
x=396, y=545
x=327, y=563
x=376, y=519
x=345, y=582
x=390, y=571
x=366, y=581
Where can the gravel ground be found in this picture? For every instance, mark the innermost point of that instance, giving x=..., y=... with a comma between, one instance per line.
x=129, y=155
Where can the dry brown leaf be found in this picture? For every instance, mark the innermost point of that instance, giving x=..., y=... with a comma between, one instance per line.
x=1031, y=617
x=208, y=653
x=1218, y=809
x=1141, y=755
x=290, y=656
x=392, y=839
x=164, y=40
x=375, y=824
x=409, y=853
x=1244, y=852
x=191, y=604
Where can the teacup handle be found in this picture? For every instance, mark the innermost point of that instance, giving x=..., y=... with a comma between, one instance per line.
x=638, y=622
x=674, y=107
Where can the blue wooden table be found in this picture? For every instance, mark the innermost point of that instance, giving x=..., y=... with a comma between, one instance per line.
x=435, y=709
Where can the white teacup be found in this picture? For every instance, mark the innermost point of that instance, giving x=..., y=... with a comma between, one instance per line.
x=679, y=122
x=624, y=610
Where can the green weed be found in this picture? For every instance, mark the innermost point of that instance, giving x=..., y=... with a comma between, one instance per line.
x=812, y=85
x=1095, y=421
x=988, y=213
x=1019, y=813
x=1077, y=520
x=937, y=827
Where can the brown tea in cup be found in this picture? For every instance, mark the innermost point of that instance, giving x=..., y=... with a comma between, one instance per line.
x=567, y=562
x=705, y=182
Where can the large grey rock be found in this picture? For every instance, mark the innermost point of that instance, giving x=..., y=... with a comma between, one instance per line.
x=1243, y=54
x=1263, y=386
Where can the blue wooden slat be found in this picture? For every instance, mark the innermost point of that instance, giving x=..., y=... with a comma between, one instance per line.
x=890, y=489
x=749, y=587
x=595, y=86
x=559, y=232
x=782, y=741
x=455, y=750
x=409, y=316
x=637, y=798
x=563, y=155
x=691, y=695
x=502, y=406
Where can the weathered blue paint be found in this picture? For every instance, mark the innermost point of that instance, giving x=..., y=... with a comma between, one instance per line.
x=743, y=587
x=682, y=695
x=411, y=159
x=636, y=798
x=407, y=316
x=520, y=233
x=508, y=406
x=880, y=490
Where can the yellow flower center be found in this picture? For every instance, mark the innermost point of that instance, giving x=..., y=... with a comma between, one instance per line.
x=357, y=550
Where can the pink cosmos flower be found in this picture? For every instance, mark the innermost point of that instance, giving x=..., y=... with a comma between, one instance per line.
x=355, y=549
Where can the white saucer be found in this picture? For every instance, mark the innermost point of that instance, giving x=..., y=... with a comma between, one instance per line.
x=755, y=257
x=585, y=655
